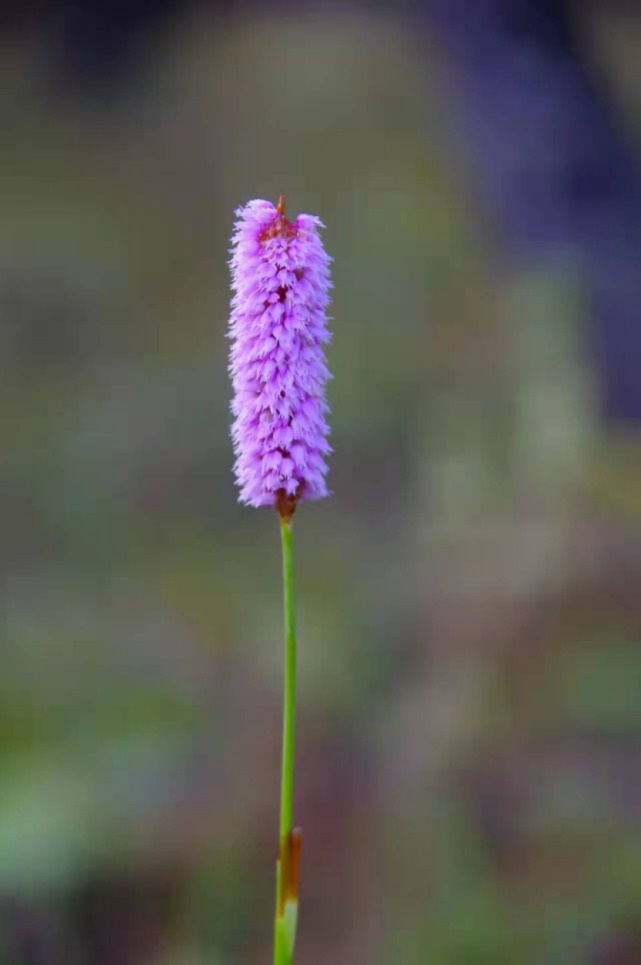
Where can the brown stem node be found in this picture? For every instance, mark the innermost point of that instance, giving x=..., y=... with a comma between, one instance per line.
x=286, y=505
x=289, y=860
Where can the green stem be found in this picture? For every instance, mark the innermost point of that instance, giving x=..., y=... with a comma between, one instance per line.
x=289, y=706
x=282, y=945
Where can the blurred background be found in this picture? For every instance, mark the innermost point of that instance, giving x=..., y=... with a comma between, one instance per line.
x=469, y=756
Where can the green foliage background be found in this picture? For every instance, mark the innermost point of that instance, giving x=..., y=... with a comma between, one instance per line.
x=469, y=781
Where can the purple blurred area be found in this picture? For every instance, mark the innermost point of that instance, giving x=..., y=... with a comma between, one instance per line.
x=469, y=757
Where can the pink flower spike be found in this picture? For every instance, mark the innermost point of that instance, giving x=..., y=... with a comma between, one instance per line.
x=278, y=326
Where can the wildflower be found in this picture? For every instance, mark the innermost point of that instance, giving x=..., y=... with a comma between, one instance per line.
x=278, y=327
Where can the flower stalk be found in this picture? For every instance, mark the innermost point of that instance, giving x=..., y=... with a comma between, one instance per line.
x=278, y=330
x=290, y=840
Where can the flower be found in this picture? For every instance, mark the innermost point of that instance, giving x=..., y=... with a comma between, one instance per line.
x=278, y=326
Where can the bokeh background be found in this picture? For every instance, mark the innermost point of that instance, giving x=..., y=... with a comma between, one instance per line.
x=469, y=753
